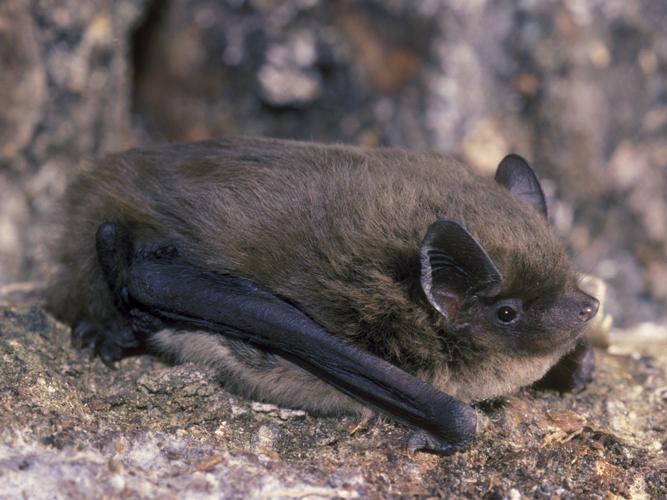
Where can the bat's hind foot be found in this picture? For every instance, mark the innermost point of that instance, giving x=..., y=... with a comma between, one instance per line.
x=125, y=336
x=110, y=343
x=144, y=323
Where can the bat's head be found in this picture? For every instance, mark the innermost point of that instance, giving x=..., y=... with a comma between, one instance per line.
x=506, y=284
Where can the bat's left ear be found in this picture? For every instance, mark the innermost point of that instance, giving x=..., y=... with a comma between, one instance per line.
x=453, y=266
x=515, y=174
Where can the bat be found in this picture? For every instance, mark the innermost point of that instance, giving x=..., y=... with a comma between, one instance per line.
x=325, y=277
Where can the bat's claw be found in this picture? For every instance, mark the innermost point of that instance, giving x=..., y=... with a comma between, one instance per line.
x=109, y=343
x=362, y=424
x=144, y=323
x=109, y=358
x=84, y=336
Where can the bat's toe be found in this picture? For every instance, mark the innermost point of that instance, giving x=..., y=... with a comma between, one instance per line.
x=111, y=344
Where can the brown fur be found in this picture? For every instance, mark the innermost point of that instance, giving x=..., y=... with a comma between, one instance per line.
x=336, y=231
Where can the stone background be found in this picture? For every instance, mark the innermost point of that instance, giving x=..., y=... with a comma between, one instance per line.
x=577, y=87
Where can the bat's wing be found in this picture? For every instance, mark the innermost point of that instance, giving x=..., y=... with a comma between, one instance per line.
x=182, y=295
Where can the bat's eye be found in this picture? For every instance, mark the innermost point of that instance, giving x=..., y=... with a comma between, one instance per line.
x=506, y=314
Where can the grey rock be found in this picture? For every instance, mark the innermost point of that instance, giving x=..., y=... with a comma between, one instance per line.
x=22, y=78
x=72, y=428
x=579, y=88
x=64, y=95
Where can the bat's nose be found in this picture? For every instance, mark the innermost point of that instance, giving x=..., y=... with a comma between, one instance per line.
x=589, y=309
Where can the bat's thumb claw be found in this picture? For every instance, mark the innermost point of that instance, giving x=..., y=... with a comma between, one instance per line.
x=109, y=362
x=113, y=246
x=416, y=442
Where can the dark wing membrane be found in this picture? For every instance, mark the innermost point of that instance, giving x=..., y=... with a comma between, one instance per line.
x=187, y=296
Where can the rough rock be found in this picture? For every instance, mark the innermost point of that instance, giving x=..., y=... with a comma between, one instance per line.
x=72, y=428
x=64, y=89
x=579, y=88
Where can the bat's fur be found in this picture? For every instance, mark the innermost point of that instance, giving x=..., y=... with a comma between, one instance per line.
x=336, y=231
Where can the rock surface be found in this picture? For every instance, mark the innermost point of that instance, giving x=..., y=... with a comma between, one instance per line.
x=64, y=88
x=72, y=428
x=579, y=88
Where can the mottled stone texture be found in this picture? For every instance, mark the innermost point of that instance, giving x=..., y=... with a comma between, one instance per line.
x=578, y=87
x=72, y=428
x=64, y=86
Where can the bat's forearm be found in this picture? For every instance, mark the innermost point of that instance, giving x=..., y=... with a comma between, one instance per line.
x=187, y=296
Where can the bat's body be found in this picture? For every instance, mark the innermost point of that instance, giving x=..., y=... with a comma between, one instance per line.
x=334, y=239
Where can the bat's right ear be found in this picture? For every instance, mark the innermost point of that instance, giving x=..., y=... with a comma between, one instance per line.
x=454, y=266
x=515, y=174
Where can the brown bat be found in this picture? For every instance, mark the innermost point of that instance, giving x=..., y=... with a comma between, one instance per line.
x=324, y=277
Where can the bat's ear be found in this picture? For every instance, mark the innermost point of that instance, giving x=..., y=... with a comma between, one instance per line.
x=454, y=266
x=516, y=175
